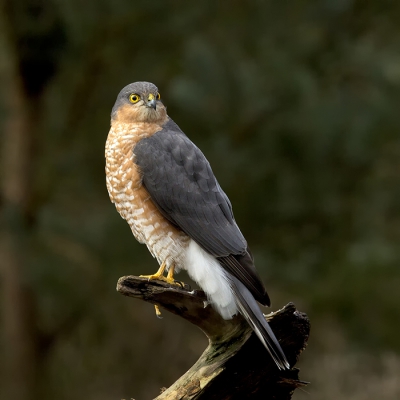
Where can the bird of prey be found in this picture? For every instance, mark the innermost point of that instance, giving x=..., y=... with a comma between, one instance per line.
x=163, y=186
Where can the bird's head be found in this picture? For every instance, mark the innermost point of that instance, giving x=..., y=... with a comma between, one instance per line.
x=139, y=102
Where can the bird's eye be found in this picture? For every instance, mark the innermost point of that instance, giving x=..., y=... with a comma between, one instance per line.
x=134, y=98
x=158, y=96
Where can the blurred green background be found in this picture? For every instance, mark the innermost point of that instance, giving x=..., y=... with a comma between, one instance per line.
x=296, y=105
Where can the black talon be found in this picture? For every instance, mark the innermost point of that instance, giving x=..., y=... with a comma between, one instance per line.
x=182, y=285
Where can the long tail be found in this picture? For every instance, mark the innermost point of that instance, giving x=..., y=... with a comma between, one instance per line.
x=251, y=312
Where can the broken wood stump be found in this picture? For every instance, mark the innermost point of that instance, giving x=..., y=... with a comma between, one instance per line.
x=235, y=365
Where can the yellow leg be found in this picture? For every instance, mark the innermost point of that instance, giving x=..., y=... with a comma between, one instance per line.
x=159, y=275
x=170, y=276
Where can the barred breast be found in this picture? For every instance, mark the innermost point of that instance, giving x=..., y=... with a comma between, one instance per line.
x=124, y=184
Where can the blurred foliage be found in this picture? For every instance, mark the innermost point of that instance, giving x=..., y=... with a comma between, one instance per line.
x=296, y=106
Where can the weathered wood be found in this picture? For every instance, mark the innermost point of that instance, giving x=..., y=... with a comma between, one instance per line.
x=235, y=365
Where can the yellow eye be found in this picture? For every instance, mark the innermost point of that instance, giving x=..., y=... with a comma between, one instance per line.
x=134, y=98
x=158, y=96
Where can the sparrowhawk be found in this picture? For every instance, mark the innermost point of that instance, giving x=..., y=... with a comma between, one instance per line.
x=163, y=186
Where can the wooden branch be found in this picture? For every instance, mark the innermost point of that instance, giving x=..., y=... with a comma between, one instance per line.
x=235, y=365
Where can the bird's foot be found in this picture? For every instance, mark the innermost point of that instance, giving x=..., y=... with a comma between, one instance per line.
x=159, y=276
x=162, y=278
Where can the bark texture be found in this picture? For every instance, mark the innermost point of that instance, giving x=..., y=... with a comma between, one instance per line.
x=235, y=365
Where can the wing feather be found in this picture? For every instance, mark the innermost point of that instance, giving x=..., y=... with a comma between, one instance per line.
x=182, y=185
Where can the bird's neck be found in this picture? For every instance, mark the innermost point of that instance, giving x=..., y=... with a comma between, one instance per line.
x=124, y=136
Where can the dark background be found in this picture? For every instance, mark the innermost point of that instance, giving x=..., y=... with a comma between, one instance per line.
x=296, y=105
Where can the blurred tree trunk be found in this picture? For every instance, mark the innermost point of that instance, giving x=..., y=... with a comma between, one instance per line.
x=31, y=38
x=16, y=162
x=16, y=303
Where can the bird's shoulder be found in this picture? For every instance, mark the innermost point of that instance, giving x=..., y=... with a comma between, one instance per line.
x=167, y=138
x=173, y=151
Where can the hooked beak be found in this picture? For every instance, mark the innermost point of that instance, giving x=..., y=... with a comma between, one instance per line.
x=151, y=101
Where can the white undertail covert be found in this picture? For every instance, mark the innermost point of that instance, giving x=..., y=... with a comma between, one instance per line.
x=205, y=270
